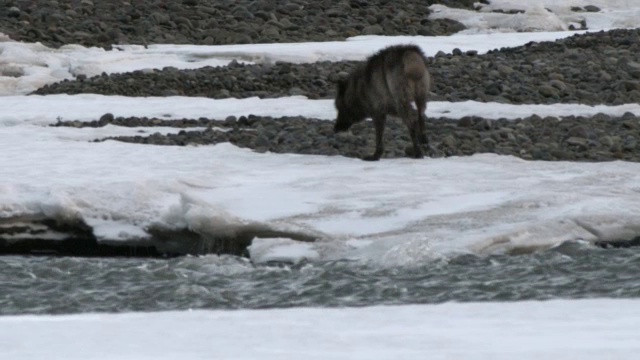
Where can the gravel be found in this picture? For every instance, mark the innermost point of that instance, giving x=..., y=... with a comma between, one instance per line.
x=208, y=22
x=597, y=138
x=594, y=68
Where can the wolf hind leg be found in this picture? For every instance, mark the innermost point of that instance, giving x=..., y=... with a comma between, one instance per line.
x=411, y=117
x=416, y=139
x=379, y=123
x=422, y=120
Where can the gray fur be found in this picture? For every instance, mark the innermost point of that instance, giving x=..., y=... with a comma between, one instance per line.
x=390, y=82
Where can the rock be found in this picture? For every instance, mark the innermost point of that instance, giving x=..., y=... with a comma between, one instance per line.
x=630, y=143
x=489, y=143
x=11, y=71
x=296, y=91
x=592, y=8
x=373, y=30
x=106, y=119
x=558, y=84
x=270, y=31
x=14, y=12
x=629, y=116
x=577, y=141
x=261, y=142
x=161, y=18
x=548, y=91
x=580, y=131
x=606, y=141
x=171, y=92
x=556, y=76
x=450, y=141
x=493, y=89
x=484, y=125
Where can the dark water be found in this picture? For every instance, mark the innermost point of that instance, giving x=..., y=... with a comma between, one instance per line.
x=39, y=285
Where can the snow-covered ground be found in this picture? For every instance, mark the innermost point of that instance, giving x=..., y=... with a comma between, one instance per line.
x=578, y=329
x=41, y=65
x=543, y=15
x=394, y=212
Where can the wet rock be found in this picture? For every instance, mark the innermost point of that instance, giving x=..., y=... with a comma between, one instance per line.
x=592, y=8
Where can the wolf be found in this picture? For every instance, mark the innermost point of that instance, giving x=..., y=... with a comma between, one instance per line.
x=389, y=82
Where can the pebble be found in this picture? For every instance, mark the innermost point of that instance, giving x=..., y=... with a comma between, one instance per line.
x=220, y=22
x=504, y=76
x=531, y=138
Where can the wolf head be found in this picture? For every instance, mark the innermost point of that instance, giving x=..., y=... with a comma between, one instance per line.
x=348, y=107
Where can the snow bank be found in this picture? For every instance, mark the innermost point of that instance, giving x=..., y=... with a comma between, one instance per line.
x=576, y=329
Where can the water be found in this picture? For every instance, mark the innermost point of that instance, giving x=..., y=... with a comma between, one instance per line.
x=49, y=285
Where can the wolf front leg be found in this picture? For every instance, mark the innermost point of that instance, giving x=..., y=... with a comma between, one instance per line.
x=378, y=123
x=422, y=120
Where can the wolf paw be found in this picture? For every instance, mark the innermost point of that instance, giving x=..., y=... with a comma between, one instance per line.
x=371, y=158
x=409, y=151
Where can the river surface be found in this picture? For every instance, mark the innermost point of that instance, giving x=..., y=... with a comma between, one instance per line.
x=57, y=285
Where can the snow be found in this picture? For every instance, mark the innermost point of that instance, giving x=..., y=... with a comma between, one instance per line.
x=421, y=209
x=576, y=329
x=395, y=212
x=44, y=110
x=542, y=15
x=41, y=65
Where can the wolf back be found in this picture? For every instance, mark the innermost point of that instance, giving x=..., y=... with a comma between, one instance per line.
x=390, y=82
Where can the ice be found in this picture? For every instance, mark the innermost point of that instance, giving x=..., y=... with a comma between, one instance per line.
x=542, y=15
x=483, y=203
x=26, y=67
x=534, y=18
x=560, y=329
x=395, y=212
x=46, y=110
x=265, y=251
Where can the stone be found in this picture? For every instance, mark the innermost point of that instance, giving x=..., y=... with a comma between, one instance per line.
x=628, y=115
x=270, y=31
x=489, y=143
x=630, y=143
x=105, y=119
x=493, y=89
x=558, y=84
x=14, y=12
x=577, y=141
x=548, y=91
x=373, y=30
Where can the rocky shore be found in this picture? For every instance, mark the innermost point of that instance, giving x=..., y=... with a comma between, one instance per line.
x=207, y=22
x=594, y=68
x=597, y=138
